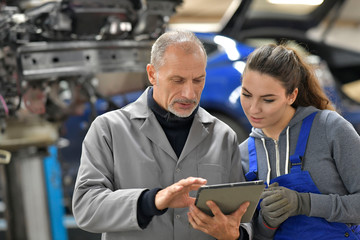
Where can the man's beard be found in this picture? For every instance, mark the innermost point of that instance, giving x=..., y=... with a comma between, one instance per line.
x=186, y=101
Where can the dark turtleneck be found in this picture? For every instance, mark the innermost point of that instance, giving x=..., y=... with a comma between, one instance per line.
x=176, y=128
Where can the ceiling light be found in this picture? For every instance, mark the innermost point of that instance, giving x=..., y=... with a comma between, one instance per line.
x=229, y=45
x=298, y=2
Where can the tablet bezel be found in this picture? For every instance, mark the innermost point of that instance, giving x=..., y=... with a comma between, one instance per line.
x=229, y=197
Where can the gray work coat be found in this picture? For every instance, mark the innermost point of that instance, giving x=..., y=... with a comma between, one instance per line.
x=126, y=151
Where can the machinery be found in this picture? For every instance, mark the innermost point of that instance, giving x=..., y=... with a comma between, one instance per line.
x=51, y=55
x=55, y=57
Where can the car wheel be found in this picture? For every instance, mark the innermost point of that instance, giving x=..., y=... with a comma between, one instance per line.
x=242, y=132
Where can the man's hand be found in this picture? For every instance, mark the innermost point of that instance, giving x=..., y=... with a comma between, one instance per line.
x=280, y=203
x=220, y=226
x=177, y=195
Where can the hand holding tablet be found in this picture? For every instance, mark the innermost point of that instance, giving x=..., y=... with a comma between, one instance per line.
x=228, y=197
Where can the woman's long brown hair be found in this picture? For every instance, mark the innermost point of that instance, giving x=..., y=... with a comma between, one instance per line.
x=286, y=65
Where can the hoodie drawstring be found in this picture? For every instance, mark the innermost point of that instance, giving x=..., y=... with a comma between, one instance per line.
x=287, y=155
x=287, y=151
x=268, y=161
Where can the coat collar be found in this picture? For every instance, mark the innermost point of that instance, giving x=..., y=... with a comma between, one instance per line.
x=152, y=129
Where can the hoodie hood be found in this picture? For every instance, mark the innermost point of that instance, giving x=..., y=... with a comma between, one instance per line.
x=300, y=114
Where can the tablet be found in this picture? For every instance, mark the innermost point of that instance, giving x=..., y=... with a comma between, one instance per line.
x=230, y=196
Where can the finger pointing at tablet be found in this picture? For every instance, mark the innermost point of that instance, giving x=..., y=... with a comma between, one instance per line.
x=177, y=194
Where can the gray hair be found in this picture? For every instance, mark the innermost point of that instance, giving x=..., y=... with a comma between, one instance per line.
x=187, y=40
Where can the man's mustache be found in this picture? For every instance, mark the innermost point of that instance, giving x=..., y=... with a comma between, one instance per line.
x=185, y=101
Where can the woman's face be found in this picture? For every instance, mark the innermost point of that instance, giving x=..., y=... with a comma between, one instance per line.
x=265, y=102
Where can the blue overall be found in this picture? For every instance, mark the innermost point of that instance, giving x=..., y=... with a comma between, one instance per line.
x=301, y=226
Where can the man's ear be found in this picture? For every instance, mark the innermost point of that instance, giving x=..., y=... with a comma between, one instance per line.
x=151, y=74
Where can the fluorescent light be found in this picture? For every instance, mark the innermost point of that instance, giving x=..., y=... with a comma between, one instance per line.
x=298, y=2
x=235, y=95
x=229, y=45
x=240, y=66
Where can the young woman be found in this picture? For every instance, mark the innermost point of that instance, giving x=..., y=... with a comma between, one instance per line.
x=299, y=145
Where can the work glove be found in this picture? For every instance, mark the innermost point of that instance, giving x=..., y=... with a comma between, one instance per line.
x=280, y=203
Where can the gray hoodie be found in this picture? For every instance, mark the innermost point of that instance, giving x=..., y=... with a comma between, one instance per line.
x=332, y=158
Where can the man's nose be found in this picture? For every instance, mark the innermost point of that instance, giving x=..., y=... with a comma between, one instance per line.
x=188, y=90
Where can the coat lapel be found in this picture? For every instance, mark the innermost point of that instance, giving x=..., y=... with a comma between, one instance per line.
x=152, y=129
x=198, y=132
x=150, y=126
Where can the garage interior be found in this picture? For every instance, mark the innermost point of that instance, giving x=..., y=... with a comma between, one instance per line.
x=210, y=15
x=192, y=15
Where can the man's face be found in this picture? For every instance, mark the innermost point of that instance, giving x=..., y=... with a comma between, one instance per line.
x=179, y=82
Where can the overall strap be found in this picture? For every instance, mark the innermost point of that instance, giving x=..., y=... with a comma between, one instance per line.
x=252, y=174
x=296, y=159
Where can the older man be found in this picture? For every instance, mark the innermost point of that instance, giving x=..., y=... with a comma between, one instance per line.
x=141, y=164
